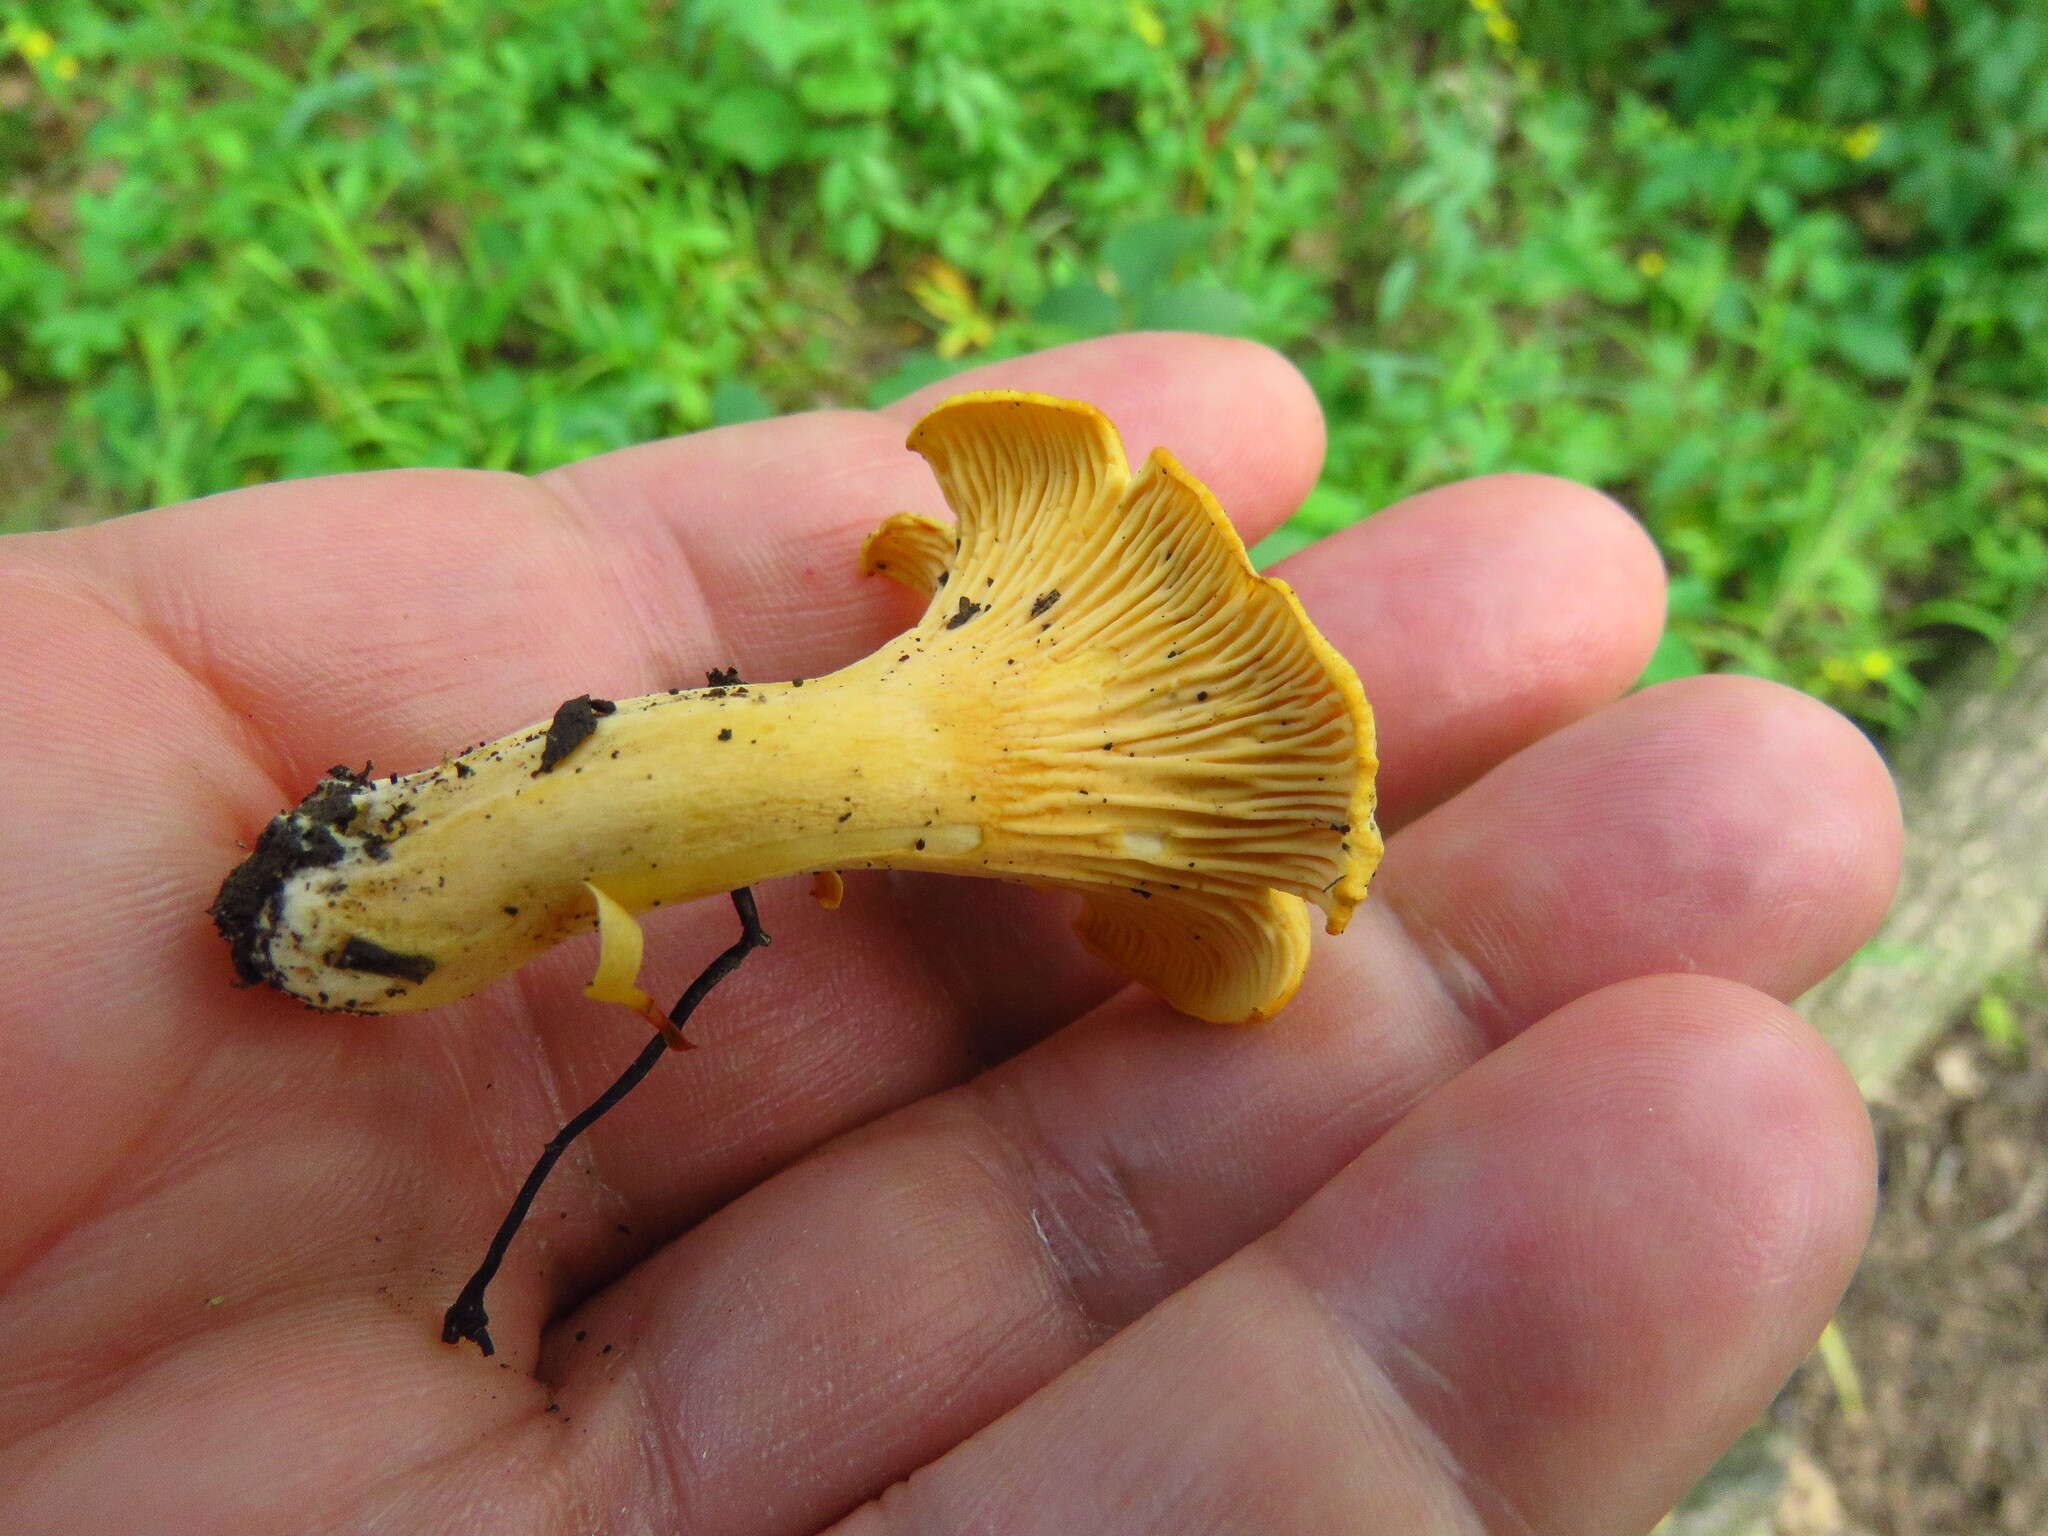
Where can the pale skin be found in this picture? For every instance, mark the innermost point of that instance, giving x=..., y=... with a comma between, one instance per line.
x=1510, y=1222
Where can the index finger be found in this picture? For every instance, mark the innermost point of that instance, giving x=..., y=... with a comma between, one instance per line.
x=787, y=509
x=402, y=614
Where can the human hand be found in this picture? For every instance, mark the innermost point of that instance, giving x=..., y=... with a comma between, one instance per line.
x=1511, y=1221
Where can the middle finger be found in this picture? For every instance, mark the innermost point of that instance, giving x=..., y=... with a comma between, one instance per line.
x=879, y=1302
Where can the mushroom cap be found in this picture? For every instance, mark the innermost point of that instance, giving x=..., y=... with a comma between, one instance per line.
x=1185, y=750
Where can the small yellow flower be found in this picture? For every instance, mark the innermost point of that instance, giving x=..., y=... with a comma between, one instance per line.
x=1651, y=263
x=35, y=44
x=65, y=68
x=1146, y=23
x=1861, y=142
x=1876, y=664
x=941, y=287
x=943, y=292
x=1499, y=25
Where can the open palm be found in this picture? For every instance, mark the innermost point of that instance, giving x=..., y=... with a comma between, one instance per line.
x=1509, y=1223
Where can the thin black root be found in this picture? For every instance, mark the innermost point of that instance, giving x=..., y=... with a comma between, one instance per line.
x=466, y=1317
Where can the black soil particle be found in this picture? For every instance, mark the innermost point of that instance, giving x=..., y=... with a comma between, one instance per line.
x=333, y=800
x=361, y=954
x=574, y=723
x=968, y=609
x=723, y=677
x=1043, y=604
x=245, y=910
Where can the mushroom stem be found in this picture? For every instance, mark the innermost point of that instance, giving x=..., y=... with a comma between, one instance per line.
x=450, y=877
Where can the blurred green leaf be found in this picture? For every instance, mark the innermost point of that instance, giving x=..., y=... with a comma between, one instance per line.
x=1143, y=255
x=1079, y=307
x=1328, y=509
x=1674, y=657
x=734, y=400
x=1279, y=544
x=1397, y=286
x=1876, y=348
x=758, y=126
x=847, y=92
x=1999, y=1024
x=911, y=374
x=1195, y=307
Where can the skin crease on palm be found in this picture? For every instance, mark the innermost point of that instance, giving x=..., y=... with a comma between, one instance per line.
x=1509, y=1223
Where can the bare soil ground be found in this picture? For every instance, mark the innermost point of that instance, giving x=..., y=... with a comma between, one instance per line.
x=36, y=490
x=1947, y=1322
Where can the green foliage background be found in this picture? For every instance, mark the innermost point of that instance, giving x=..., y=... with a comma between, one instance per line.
x=1775, y=274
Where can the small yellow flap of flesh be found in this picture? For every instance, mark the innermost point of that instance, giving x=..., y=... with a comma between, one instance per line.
x=620, y=945
x=910, y=550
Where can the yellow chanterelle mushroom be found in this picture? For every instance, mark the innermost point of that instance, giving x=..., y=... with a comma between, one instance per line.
x=1102, y=697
